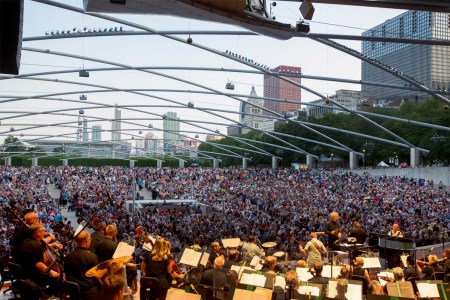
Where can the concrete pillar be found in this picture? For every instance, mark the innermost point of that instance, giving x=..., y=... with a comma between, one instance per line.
x=8, y=161
x=274, y=162
x=353, y=160
x=244, y=163
x=414, y=157
x=65, y=162
x=34, y=162
x=310, y=161
x=215, y=163
x=159, y=164
x=180, y=163
x=131, y=163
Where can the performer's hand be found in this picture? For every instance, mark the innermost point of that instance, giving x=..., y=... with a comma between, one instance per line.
x=56, y=245
x=54, y=274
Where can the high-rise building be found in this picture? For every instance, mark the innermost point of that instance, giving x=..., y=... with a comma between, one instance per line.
x=427, y=64
x=85, y=131
x=251, y=115
x=116, y=125
x=280, y=89
x=171, y=127
x=151, y=144
x=96, y=133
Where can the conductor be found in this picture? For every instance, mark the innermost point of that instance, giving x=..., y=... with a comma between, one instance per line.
x=332, y=229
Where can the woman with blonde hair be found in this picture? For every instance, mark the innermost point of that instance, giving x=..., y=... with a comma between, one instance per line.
x=158, y=264
x=432, y=267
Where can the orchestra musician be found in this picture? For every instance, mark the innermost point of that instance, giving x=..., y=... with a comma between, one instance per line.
x=358, y=269
x=113, y=287
x=314, y=249
x=216, y=277
x=395, y=232
x=411, y=270
x=341, y=289
x=429, y=269
x=157, y=263
x=357, y=232
x=215, y=252
x=251, y=249
x=232, y=259
x=293, y=282
x=33, y=261
x=78, y=262
x=318, y=268
x=97, y=235
x=23, y=232
x=269, y=264
x=446, y=268
x=105, y=250
x=332, y=229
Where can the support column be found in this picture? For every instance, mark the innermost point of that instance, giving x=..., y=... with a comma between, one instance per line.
x=244, y=163
x=309, y=161
x=65, y=162
x=274, y=162
x=131, y=163
x=353, y=160
x=180, y=163
x=34, y=162
x=215, y=163
x=414, y=157
x=159, y=164
x=8, y=161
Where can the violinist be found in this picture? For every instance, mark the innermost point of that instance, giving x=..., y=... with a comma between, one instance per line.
x=97, y=235
x=269, y=264
x=31, y=258
x=431, y=268
x=233, y=259
x=411, y=270
x=157, y=263
x=140, y=239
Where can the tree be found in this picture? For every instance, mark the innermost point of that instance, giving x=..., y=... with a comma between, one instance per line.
x=12, y=144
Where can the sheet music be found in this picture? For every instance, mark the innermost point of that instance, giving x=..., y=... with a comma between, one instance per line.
x=253, y=279
x=190, y=257
x=371, y=263
x=204, y=259
x=384, y=274
x=240, y=294
x=403, y=258
x=280, y=281
x=231, y=243
x=327, y=271
x=354, y=291
x=428, y=290
x=306, y=289
x=123, y=249
x=148, y=246
x=255, y=260
x=179, y=294
x=303, y=274
x=78, y=229
x=240, y=269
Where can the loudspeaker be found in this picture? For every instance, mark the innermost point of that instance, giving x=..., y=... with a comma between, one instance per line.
x=307, y=9
x=11, y=23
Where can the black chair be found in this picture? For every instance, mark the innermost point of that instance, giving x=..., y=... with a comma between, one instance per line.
x=209, y=292
x=5, y=273
x=147, y=284
x=12, y=272
x=365, y=284
x=438, y=276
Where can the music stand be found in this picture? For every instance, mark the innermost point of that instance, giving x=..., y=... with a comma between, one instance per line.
x=400, y=289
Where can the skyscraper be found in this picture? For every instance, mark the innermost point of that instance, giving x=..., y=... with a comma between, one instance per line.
x=428, y=64
x=85, y=131
x=116, y=125
x=171, y=127
x=277, y=88
x=96, y=133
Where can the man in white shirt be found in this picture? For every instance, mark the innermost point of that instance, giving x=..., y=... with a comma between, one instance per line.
x=314, y=249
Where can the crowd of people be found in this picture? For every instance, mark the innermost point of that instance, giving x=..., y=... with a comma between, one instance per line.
x=274, y=205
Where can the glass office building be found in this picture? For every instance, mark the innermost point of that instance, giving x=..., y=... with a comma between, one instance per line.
x=427, y=64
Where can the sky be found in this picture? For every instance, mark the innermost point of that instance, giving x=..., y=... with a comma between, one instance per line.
x=152, y=50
